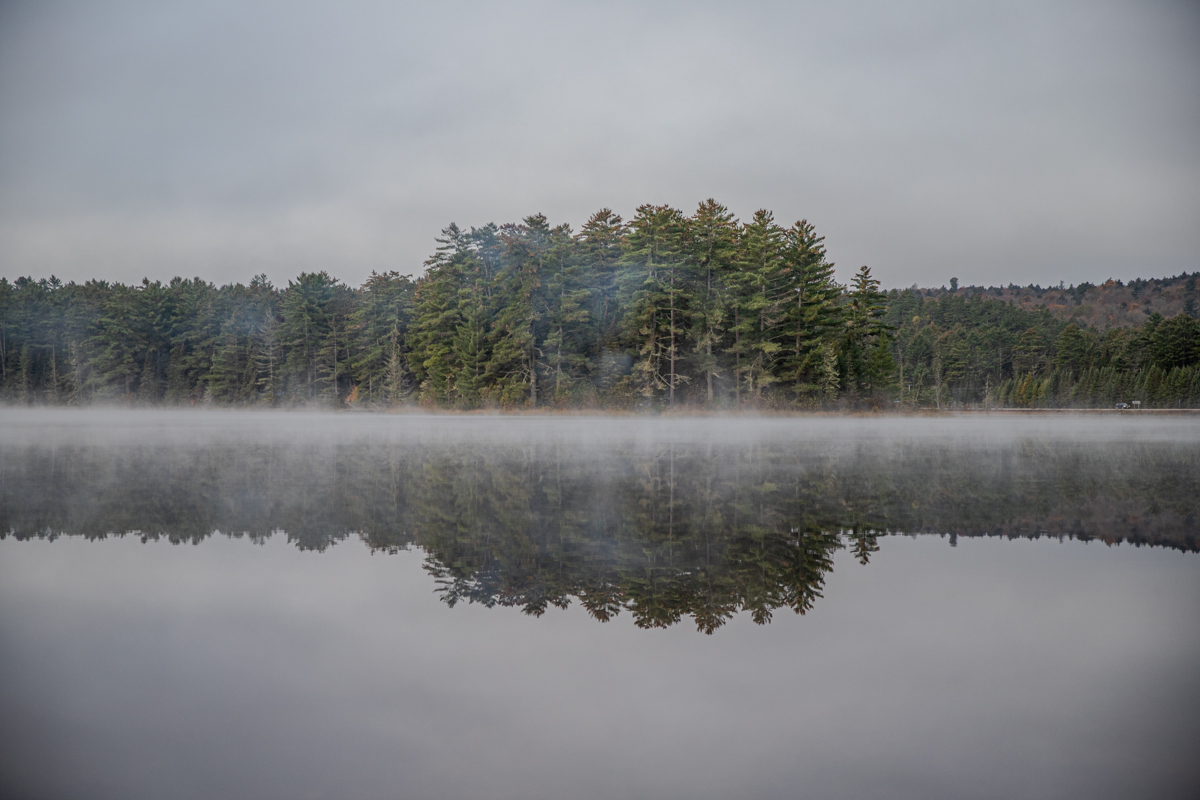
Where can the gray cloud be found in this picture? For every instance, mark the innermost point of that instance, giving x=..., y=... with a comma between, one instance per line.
x=1020, y=143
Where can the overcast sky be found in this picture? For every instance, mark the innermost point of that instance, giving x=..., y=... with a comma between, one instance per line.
x=994, y=142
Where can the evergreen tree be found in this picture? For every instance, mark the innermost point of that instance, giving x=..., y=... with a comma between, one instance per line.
x=653, y=291
x=712, y=254
x=571, y=341
x=598, y=253
x=760, y=290
x=813, y=315
x=380, y=324
x=869, y=363
x=313, y=332
x=519, y=327
x=437, y=316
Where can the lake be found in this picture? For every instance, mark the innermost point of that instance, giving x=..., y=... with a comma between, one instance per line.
x=199, y=604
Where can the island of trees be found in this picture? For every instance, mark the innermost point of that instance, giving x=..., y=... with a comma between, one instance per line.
x=662, y=311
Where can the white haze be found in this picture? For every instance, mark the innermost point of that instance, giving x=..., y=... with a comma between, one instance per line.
x=579, y=435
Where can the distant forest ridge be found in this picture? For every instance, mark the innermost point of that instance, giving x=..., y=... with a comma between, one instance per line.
x=1111, y=304
x=664, y=310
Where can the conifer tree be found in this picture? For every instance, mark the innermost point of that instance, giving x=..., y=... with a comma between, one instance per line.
x=712, y=253
x=653, y=291
x=759, y=291
x=868, y=357
x=598, y=252
x=519, y=327
x=571, y=339
x=813, y=315
x=313, y=318
x=470, y=347
x=437, y=316
x=380, y=324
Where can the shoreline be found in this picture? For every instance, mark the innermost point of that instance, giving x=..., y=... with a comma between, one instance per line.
x=679, y=413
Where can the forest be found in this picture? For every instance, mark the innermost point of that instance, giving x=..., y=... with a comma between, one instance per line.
x=659, y=312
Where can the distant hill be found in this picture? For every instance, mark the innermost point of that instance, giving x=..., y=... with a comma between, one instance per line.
x=1112, y=304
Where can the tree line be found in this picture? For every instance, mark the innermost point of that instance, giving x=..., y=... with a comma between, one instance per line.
x=961, y=349
x=660, y=311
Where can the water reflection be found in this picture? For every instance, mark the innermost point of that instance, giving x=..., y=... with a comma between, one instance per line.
x=660, y=528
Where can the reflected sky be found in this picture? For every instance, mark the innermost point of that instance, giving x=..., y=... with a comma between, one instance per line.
x=324, y=659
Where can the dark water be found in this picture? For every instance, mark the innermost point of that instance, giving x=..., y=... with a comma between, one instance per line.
x=253, y=605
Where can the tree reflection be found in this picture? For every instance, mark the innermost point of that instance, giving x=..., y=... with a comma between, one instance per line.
x=662, y=531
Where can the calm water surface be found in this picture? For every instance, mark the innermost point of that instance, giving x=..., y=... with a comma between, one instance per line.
x=253, y=605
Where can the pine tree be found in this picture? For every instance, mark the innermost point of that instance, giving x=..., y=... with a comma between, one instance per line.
x=869, y=365
x=437, y=316
x=652, y=288
x=519, y=327
x=813, y=315
x=712, y=255
x=759, y=290
x=597, y=253
x=310, y=308
x=379, y=325
x=571, y=340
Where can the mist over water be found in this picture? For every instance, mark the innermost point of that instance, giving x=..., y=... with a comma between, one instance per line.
x=169, y=426
x=515, y=606
x=319, y=477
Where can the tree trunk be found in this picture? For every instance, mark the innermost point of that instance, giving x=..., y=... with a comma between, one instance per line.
x=558, y=366
x=737, y=364
x=708, y=366
x=708, y=326
x=532, y=376
x=54, y=372
x=671, y=383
